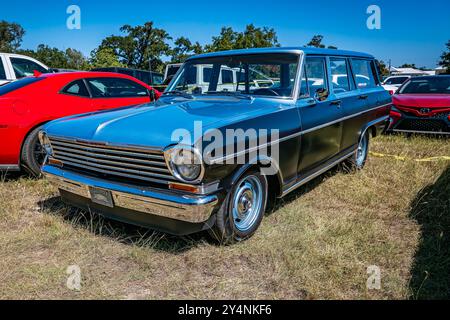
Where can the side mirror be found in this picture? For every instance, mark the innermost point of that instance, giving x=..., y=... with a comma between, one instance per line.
x=321, y=94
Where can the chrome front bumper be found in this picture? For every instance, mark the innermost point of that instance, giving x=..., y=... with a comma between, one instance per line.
x=187, y=208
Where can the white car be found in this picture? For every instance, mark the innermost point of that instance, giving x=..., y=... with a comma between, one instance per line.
x=16, y=66
x=392, y=83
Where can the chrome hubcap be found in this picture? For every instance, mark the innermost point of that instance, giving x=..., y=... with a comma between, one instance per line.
x=361, y=152
x=247, y=203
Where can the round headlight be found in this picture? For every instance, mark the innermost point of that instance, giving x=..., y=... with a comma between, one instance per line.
x=45, y=142
x=185, y=164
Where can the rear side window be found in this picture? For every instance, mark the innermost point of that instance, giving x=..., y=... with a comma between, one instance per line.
x=363, y=72
x=2, y=70
x=18, y=84
x=77, y=88
x=339, y=74
x=25, y=68
x=115, y=88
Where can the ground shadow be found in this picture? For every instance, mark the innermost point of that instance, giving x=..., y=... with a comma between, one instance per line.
x=133, y=235
x=431, y=269
x=122, y=232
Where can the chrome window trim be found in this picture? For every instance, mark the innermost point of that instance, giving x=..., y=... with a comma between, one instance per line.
x=294, y=135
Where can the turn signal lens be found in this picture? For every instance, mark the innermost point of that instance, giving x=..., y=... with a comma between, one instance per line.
x=184, y=187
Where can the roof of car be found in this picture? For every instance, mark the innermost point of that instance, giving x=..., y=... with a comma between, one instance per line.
x=84, y=74
x=315, y=51
x=431, y=77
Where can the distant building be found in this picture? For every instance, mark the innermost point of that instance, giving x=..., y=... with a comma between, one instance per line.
x=410, y=72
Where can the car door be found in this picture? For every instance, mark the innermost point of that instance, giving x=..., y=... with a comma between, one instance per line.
x=320, y=113
x=74, y=98
x=110, y=92
x=365, y=97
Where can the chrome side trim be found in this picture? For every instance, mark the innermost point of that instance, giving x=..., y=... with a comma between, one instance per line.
x=294, y=135
x=194, y=209
x=315, y=174
x=9, y=167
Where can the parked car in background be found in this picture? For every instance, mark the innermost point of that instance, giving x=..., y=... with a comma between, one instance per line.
x=139, y=165
x=392, y=83
x=149, y=77
x=16, y=66
x=422, y=105
x=171, y=70
x=28, y=103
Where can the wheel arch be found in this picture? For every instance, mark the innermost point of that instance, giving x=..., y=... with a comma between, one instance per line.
x=31, y=129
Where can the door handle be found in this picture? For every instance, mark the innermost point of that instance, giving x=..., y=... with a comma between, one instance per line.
x=336, y=103
x=363, y=97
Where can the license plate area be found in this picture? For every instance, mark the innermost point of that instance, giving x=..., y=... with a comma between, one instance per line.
x=101, y=196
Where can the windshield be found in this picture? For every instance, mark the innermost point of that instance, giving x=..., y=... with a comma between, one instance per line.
x=257, y=74
x=435, y=85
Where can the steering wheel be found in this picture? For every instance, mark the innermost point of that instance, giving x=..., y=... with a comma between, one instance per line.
x=266, y=92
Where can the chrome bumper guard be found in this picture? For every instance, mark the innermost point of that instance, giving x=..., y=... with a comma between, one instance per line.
x=193, y=209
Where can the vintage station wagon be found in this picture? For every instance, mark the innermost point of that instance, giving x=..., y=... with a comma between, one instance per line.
x=221, y=144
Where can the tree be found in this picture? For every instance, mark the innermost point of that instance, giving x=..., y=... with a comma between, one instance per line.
x=445, y=58
x=76, y=60
x=408, y=65
x=104, y=58
x=139, y=45
x=251, y=37
x=384, y=71
x=184, y=49
x=55, y=58
x=11, y=35
x=316, y=42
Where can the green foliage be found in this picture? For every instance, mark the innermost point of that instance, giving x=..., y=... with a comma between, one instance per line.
x=11, y=35
x=139, y=45
x=445, y=58
x=55, y=58
x=251, y=37
x=384, y=71
x=316, y=42
x=183, y=49
x=104, y=58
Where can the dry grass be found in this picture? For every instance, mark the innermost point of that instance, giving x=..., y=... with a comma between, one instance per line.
x=317, y=244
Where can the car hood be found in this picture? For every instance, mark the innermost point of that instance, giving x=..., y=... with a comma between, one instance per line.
x=153, y=125
x=422, y=100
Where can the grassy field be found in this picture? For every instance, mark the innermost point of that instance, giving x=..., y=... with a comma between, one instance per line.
x=317, y=244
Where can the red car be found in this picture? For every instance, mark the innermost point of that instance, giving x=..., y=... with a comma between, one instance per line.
x=27, y=104
x=422, y=105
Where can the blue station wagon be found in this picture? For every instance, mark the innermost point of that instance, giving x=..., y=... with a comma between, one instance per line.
x=232, y=132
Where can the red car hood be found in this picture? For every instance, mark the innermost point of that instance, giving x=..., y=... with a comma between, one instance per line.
x=422, y=100
x=421, y=104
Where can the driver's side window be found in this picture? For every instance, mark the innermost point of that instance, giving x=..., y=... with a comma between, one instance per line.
x=314, y=77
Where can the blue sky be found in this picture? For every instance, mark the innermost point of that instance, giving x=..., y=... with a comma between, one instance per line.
x=411, y=31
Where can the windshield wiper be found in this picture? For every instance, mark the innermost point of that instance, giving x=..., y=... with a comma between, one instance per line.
x=179, y=93
x=231, y=94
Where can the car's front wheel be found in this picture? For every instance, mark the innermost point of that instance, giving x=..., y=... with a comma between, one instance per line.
x=242, y=210
x=33, y=155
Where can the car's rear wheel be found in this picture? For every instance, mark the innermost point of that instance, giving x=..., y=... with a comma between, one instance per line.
x=359, y=158
x=33, y=155
x=242, y=210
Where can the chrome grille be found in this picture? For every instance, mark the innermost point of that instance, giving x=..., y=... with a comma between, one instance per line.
x=133, y=163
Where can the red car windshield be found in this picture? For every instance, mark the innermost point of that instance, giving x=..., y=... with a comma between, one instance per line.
x=18, y=84
x=435, y=85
